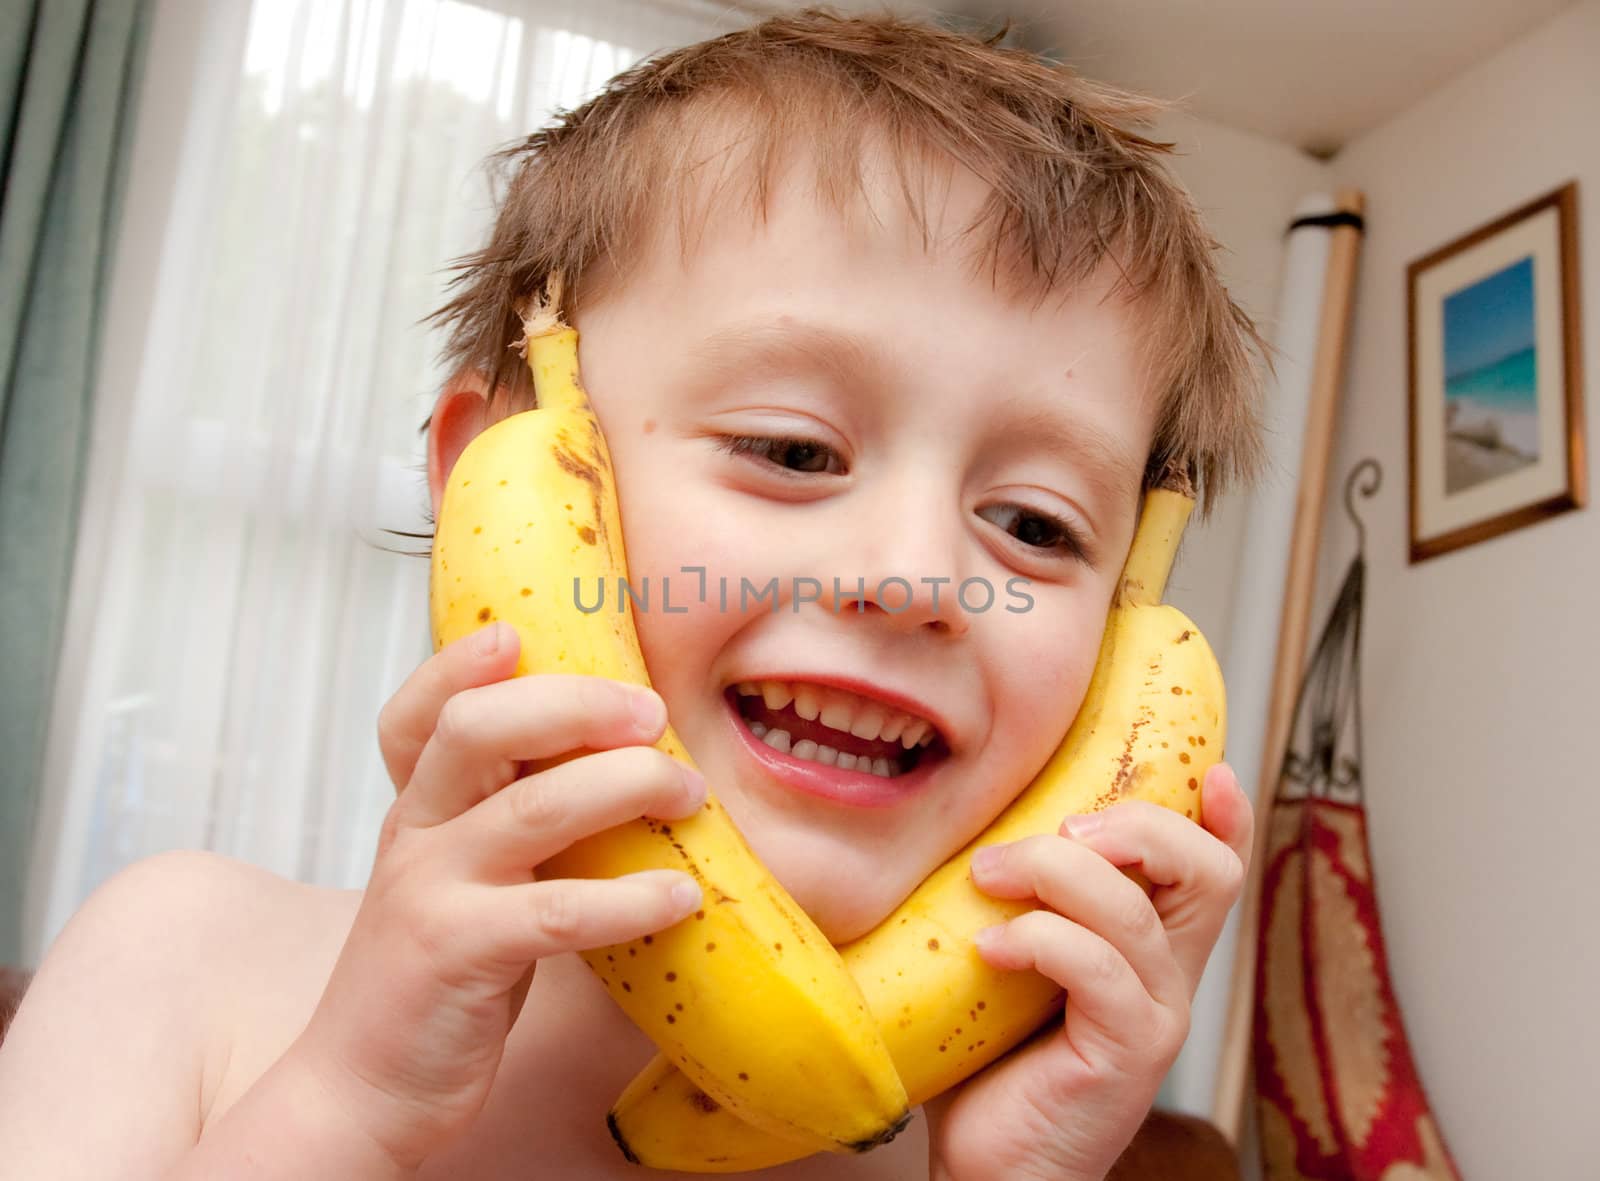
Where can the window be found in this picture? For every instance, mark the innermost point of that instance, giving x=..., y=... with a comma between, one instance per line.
x=247, y=619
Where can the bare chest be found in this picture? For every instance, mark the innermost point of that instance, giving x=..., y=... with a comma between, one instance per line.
x=570, y=1054
x=546, y=1115
x=569, y=1141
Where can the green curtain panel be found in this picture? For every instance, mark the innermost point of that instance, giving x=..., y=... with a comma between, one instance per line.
x=69, y=72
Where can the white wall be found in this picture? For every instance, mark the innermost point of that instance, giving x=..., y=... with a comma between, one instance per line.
x=1480, y=666
x=1478, y=675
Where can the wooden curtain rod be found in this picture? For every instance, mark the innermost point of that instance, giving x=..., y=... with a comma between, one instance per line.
x=1293, y=630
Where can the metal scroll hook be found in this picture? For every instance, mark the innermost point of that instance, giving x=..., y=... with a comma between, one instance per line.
x=1373, y=471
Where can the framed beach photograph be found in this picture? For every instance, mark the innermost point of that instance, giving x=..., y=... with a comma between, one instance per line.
x=1496, y=398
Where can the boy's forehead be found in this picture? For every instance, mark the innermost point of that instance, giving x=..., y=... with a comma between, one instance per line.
x=727, y=182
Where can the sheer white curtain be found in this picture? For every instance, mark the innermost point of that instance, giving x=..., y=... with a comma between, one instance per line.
x=246, y=622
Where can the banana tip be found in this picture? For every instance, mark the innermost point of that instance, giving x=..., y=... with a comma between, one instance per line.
x=883, y=1137
x=616, y=1134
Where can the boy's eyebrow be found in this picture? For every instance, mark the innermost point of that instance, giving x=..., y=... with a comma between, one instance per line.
x=841, y=354
x=1106, y=463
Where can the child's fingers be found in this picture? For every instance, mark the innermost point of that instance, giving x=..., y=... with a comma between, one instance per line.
x=1196, y=876
x=533, y=819
x=406, y=721
x=528, y=922
x=1227, y=812
x=1080, y=884
x=1108, y=1006
x=484, y=733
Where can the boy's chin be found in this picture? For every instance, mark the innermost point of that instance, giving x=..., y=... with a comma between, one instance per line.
x=843, y=920
x=846, y=879
x=841, y=906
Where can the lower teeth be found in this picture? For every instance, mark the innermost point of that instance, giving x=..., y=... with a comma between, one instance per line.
x=813, y=752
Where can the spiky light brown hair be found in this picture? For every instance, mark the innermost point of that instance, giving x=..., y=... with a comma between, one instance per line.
x=1072, y=184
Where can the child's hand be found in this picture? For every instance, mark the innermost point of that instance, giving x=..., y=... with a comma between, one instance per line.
x=1066, y=1104
x=411, y=1028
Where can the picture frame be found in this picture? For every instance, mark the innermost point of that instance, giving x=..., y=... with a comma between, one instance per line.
x=1496, y=413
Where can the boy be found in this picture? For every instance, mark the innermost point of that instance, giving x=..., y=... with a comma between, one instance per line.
x=961, y=362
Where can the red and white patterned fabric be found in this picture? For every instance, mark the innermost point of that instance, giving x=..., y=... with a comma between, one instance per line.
x=1338, y=1096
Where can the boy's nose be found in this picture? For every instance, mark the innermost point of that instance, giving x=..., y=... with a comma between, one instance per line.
x=903, y=566
x=903, y=602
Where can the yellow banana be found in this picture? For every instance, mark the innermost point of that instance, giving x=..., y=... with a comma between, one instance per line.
x=747, y=997
x=1152, y=722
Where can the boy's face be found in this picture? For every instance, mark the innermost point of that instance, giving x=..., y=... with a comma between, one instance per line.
x=943, y=428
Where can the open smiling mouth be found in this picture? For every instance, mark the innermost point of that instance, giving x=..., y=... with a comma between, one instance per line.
x=836, y=728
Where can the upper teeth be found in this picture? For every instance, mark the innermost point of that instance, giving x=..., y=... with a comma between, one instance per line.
x=842, y=711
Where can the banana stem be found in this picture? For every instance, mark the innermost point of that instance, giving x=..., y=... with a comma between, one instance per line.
x=1155, y=541
x=551, y=348
x=544, y=313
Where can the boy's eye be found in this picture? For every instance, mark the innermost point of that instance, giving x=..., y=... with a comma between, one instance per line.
x=790, y=454
x=1037, y=530
x=794, y=456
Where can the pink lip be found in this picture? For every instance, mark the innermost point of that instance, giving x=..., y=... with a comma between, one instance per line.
x=860, y=789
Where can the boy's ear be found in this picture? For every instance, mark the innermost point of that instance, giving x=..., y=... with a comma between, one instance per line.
x=460, y=413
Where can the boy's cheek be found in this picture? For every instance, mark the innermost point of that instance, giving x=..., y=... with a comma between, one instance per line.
x=1051, y=651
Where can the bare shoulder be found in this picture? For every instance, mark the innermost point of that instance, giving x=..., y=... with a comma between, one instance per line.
x=144, y=1003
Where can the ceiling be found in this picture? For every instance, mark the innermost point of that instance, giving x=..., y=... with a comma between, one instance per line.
x=1312, y=73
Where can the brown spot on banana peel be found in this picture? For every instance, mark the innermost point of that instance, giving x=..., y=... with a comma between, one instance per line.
x=571, y=462
x=1127, y=774
x=586, y=470
x=1126, y=786
x=599, y=441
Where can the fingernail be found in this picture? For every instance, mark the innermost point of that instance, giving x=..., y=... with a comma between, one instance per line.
x=487, y=641
x=986, y=939
x=686, y=895
x=696, y=782
x=1084, y=826
x=649, y=710
x=986, y=858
